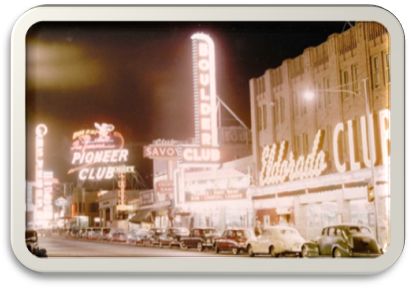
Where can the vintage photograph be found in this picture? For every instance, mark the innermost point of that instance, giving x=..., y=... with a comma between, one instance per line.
x=214, y=139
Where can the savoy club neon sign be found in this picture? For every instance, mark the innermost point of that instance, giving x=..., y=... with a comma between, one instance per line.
x=99, y=153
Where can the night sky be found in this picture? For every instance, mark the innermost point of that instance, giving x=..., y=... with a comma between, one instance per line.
x=138, y=76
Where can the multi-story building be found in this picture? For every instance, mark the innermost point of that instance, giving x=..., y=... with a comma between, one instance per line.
x=316, y=155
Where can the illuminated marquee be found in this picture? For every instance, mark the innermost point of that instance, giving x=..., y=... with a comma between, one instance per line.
x=205, y=103
x=363, y=151
x=276, y=168
x=41, y=131
x=99, y=153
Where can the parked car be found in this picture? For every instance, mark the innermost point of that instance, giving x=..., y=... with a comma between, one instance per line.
x=233, y=240
x=32, y=244
x=199, y=238
x=154, y=236
x=118, y=236
x=275, y=241
x=344, y=241
x=137, y=236
x=173, y=236
x=93, y=233
x=105, y=234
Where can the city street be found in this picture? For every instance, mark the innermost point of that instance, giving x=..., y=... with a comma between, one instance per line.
x=63, y=247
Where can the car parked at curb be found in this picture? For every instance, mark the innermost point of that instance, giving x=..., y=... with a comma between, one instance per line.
x=233, y=240
x=344, y=241
x=275, y=241
x=199, y=238
x=172, y=236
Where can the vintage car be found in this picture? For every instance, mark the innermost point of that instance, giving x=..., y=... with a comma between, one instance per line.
x=233, y=240
x=137, y=236
x=118, y=235
x=172, y=236
x=32, y=244
x=343, y=241
x=275, y=241
x=199, y=238
x=153, y=239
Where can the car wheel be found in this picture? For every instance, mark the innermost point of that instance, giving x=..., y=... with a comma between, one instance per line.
x=304, y=251
x=183, y=246
x=337, y=253
x=250, y=251
x=234, y=251
x=271, y=251
x=199, y=247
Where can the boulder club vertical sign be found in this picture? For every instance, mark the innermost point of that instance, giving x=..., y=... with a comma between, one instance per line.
x=205, y=103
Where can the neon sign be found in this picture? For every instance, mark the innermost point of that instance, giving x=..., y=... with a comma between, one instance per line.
x=41, y=131
x=205, y=103
x=369, y=143
x=277, y=169
x=97, y=153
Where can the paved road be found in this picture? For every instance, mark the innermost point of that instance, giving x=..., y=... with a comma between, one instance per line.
x=64, y=247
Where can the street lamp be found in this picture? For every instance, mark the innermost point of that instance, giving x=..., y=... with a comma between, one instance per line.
x=309, y=95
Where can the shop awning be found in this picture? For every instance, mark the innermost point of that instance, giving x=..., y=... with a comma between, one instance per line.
x=142, y=216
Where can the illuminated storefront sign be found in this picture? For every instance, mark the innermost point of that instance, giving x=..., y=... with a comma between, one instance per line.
x=99, y=154
x=160, y=152
x=41, y=131
x=43, y=182
x=217, y=195
x=371, y=148
x=164, y=190
x=360, y=147
x=276, y=168
x=205, y=103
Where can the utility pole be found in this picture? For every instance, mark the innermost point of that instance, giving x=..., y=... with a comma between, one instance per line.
x=372, y=197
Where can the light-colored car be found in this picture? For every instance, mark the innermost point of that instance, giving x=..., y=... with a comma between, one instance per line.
x=275, y=241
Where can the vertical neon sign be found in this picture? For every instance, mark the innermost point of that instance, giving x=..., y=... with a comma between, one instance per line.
x=206, y=150
x=205, y=95
x=41, y=131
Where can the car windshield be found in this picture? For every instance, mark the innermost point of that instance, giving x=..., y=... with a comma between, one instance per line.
x=288, y=232
x=240, y=233
x=208, y=231
x=363, y=230
x=180, y=231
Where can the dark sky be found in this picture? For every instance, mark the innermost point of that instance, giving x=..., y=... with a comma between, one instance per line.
x=138, y=76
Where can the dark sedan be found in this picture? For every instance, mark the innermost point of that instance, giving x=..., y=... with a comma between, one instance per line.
x=200, y=238
x=344, y=241
x=233, y=240
x=172, y=236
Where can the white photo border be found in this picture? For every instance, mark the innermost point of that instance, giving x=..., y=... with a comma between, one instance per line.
x=215, y=265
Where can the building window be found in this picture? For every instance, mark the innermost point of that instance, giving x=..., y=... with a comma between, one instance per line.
x=282, y=109
x=354, y=76
x=296, y=145
x=93, y=207
x=345, y=84
x=327, y=94
x=375, y=71
x=387, y=68
x=264, y=121
x=305, y=143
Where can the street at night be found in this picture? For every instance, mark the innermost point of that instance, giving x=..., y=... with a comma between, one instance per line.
x=68, y=247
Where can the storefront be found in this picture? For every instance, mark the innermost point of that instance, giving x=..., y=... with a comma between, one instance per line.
x=216, y=197
x=312, y=204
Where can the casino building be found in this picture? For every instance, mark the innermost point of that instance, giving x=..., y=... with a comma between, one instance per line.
x=320, y=135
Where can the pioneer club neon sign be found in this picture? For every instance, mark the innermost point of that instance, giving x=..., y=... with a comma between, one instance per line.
x=205, y=103
x=99, y=153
